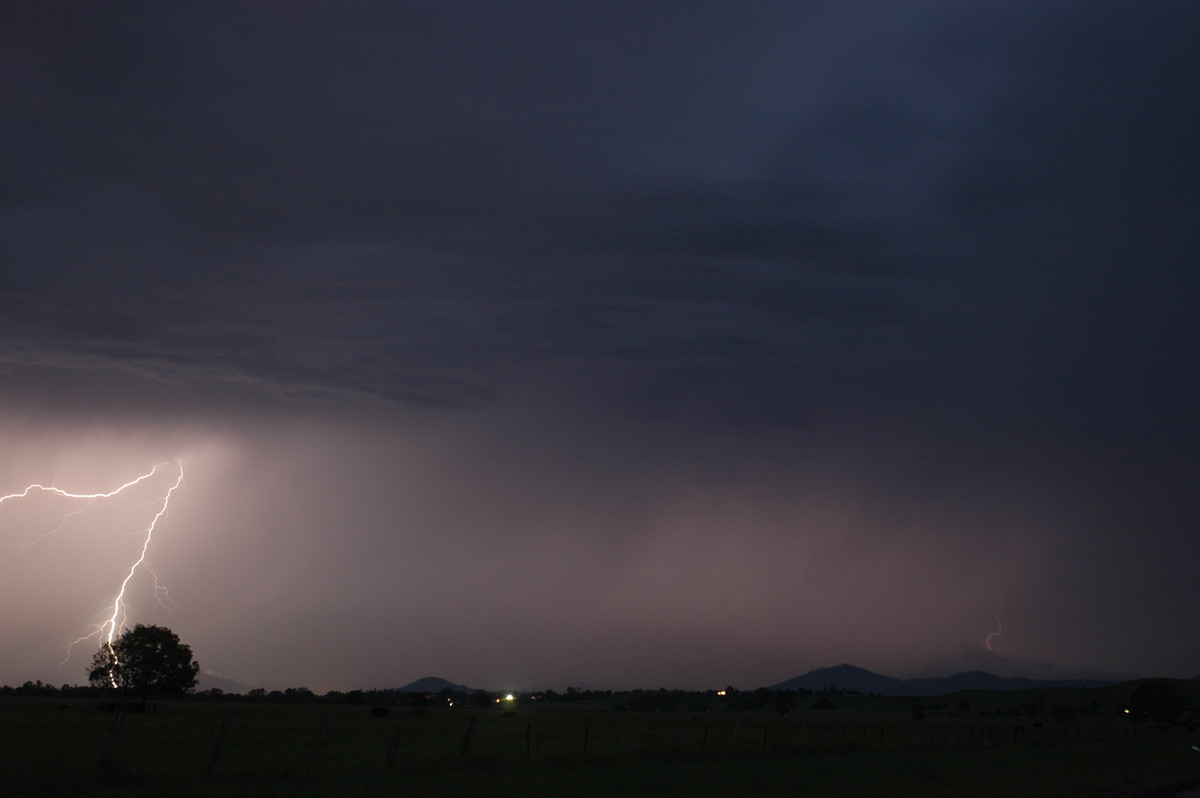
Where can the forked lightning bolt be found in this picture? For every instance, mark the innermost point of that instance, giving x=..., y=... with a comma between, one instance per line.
x=107, y=631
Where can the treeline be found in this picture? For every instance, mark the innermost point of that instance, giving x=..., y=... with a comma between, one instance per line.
x=660, y=700
x=39, y=688
x=446, y=697
x=730, y=700
x=1153, y=700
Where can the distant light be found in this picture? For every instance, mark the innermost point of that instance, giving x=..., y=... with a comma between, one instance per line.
x=1127, y=712
x=508, y=697
x=720, y=692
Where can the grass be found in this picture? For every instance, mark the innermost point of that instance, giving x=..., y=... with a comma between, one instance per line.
x=196, y=748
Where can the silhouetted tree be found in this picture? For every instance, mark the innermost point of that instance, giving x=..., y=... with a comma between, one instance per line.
x=145, y=659
x=1157, y=701
x=299, y=695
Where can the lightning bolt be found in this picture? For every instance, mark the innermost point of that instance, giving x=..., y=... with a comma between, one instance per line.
x=107, y=631
x=999, y=628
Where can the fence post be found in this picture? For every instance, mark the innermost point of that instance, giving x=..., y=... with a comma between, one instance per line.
x=106, y=753
x=704, y=739
x=637, y=738
x=466, y=743
x=585, y=739
x=216, y=752
x=737, y=730
x=528, y=741
x=312, y=759
x=394, y=745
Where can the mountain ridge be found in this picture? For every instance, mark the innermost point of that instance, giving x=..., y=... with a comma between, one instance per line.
x=431, y=684
x=852, y=677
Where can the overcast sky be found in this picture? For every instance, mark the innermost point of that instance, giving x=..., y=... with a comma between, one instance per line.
x=531, y=344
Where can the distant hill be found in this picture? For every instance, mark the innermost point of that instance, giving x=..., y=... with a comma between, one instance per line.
x=849, y=677
x=845, y=677
x=432, y=684
x=208, y=681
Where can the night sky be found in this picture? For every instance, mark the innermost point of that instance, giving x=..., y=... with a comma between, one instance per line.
x=619, y=344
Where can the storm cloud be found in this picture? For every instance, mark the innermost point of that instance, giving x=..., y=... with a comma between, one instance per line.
x=529, y=344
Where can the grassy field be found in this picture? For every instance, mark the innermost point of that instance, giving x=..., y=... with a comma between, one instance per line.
x=864, y=748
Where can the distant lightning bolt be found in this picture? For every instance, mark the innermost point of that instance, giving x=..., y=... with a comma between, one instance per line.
x=999, y=627
x=107, y=631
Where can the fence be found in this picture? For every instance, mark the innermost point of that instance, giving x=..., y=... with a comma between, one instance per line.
x=198, y=738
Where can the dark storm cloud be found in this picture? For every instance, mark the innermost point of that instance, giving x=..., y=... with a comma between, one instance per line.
x=928, y=266
x=229, y=172
x=400, y=200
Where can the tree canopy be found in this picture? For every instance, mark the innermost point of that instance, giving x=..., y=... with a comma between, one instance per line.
x=1157, y=701
x=145, y=659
